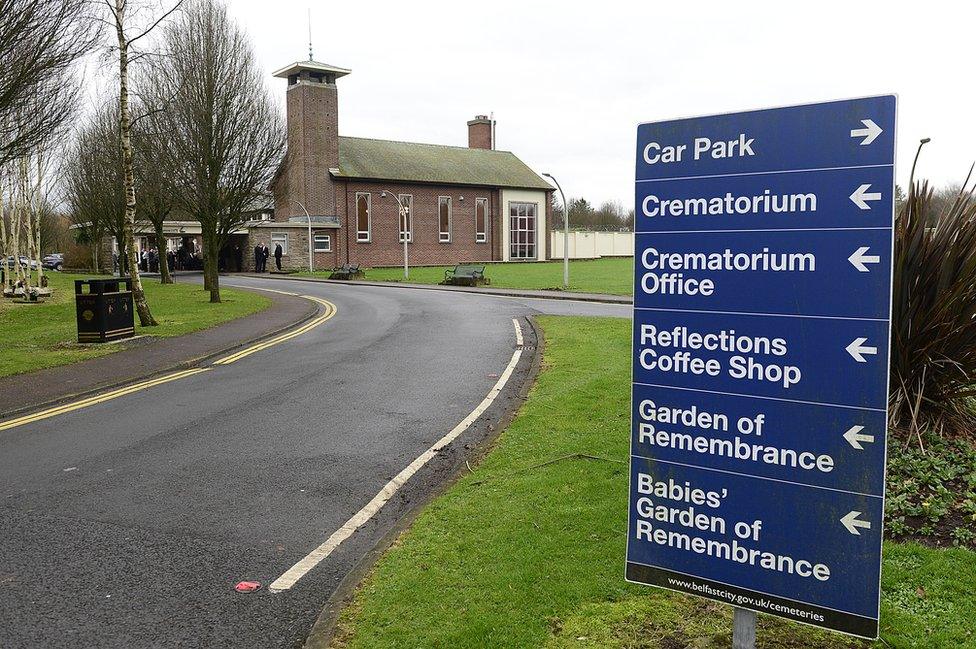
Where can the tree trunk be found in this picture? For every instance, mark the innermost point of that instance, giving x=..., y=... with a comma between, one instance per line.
x=4, y=243
x=128, y=176
x=28, y=226
x=16, y=222
x=164, y=276
x=204, y=248
x=38, y=201
x=211, y=262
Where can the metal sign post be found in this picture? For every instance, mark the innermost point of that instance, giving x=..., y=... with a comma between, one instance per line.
x=743, y=629
x=762, y=297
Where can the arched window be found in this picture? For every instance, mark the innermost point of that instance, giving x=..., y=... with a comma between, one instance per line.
x=480, y=220
x=362, y=218
x=444, y=218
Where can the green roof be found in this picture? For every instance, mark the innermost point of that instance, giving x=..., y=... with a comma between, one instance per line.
x=433, y=163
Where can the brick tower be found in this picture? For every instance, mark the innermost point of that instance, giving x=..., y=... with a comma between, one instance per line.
x=313, y=140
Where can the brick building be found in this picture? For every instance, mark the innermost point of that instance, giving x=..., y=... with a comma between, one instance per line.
x=463, y=203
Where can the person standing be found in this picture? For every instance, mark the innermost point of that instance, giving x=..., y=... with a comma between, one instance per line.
x=265, y=253
x=278, y=253
x=258, y=256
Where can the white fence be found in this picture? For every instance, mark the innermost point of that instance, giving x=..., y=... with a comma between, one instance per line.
x=592, y=245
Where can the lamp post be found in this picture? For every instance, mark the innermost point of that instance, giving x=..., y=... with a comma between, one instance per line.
x=311, y=267
x=565, y=231
x=911, y=179
x=404, y=216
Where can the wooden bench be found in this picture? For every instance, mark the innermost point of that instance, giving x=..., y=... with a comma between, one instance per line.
x=466, y=275
x=347, y=271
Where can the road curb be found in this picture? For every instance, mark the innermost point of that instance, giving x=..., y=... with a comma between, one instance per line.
x=556, y=295
x=324, y=629
x=314, y=310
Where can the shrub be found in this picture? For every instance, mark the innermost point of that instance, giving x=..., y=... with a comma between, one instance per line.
x=933, y=342
x=78, y=256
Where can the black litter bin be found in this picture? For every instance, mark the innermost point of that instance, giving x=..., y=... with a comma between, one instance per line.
x=104, y=310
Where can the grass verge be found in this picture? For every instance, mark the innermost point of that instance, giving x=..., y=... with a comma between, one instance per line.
x=528, y=550
x=611, y=275
x=43, y=335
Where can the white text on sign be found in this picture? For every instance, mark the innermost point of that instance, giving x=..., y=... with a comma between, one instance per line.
x=740, y=365
x=701, y=147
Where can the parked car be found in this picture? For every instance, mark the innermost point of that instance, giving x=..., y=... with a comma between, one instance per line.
x=24, y=262
x=54, y=261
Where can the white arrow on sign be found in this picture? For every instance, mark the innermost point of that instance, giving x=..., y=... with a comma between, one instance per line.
x=861, y=196
x=870, y=132
x=858, y=259
x=854, y=438
x=851, y=522
x=857, y=349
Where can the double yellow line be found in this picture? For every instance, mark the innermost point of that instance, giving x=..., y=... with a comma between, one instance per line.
x=107, y=396
x=330, y=311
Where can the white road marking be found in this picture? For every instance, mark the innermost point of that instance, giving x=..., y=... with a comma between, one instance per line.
x=316, y=556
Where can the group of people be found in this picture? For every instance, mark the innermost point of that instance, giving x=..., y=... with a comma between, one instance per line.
x=231, y=259
x=149, y=261
x=185, y=258
x=261, y=254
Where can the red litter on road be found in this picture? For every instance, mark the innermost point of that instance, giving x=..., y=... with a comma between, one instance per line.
x=247, y=586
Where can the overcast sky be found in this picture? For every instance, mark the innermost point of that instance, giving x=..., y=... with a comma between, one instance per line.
x=569, y=81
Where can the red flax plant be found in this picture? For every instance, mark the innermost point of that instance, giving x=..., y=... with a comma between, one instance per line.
x=933, y=341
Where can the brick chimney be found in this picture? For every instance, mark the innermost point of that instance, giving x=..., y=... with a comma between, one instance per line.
x=313, y=139
x=479, y=133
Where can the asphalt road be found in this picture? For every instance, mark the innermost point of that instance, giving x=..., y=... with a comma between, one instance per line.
x=127, y=523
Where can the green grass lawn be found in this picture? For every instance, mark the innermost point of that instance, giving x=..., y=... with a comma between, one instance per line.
x=613, y=275
x=44, y=335
x=528, y=550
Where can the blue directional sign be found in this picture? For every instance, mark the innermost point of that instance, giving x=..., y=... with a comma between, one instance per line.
x=762, y=291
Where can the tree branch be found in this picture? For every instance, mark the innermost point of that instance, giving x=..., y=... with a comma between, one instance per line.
x=158, y=20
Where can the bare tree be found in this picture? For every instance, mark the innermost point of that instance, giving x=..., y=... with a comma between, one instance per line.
x=11, y=221
x=154, y=183
x=40, y=42
x=123, y=19
x=943, y=199
x=224, y=134
x=92, y=181
x=628, y=221
x=610, y=217
x=24, y=183
x=53, y=228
